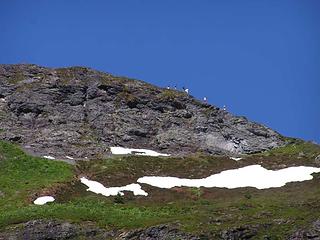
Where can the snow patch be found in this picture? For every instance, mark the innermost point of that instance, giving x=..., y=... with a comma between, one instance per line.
x=43, y=200
x=98, y=188
x=236, y=158
x=49, y=157
x=249, y=176
x=71, y=158
x=136, y=151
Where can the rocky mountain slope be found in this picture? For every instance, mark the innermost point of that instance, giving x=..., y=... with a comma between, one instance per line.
x=80, y=112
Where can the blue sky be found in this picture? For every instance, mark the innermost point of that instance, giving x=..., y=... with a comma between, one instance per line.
x=260, y=58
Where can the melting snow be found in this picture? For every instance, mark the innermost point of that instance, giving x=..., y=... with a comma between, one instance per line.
x=249, y=176
x=98, y=188
x=142, y=152
x=49, y=157
x=43, y=200
x=236, y=158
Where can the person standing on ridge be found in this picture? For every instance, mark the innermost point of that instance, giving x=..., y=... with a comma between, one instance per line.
x=224, y=108
x=205, y=100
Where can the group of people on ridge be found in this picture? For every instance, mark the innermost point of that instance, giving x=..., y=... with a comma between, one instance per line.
x=205, y=100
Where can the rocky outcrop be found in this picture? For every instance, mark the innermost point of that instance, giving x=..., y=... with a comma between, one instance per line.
x=62, y=230
x=59, y=230
x=54, y=230
x=80, y=112
x=313, y=232
x=162, y=232
x=243, y=232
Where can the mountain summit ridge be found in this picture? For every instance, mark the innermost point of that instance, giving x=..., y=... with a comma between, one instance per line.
x=81, y=112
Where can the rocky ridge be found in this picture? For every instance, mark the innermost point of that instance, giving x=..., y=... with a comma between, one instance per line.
x=80, y=112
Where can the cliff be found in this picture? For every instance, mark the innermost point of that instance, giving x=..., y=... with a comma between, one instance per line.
x=81, y=112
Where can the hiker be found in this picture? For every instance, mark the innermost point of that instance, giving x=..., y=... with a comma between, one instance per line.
x=187, y=90
x=168, y=87
x=205, y=100
x=175, y=87
x=224, y=108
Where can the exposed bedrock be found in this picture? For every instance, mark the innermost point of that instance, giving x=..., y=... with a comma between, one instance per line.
x=80, y=112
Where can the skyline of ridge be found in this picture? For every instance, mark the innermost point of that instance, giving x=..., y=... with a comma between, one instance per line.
x=260, y=59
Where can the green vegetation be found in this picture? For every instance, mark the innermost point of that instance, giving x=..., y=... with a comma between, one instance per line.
x=65, y=74
x=296, y=147
x=21, y=176
x=17, y=77
x=169, y=94
x=198, y=210
x=196, y=191
x=118, y=199
x=130, y=99
x=103, y=212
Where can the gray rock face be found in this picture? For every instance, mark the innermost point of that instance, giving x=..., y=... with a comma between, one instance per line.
x=80, y=112
x=243, y=232
x=54, y=230
x=313, y=232
x=162, y=232
x=58, y=230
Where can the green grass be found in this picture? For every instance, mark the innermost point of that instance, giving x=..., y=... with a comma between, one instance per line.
x=104, y=213
x=169, y=94
x=234, y=207
x=194, y=216
x=22, y=175
x=295, y=147
x=198, y=210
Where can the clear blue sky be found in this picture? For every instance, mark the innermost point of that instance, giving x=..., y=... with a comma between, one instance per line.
x=260, y=58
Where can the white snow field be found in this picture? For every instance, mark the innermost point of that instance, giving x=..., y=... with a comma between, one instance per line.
x=49, y=157
x=236, y=158
x=43, y=200
x=249, y=176
x=98, y=188
x=136, y=151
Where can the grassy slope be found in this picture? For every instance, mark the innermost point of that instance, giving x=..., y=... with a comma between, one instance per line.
x=196, y=210
x=21, y=176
